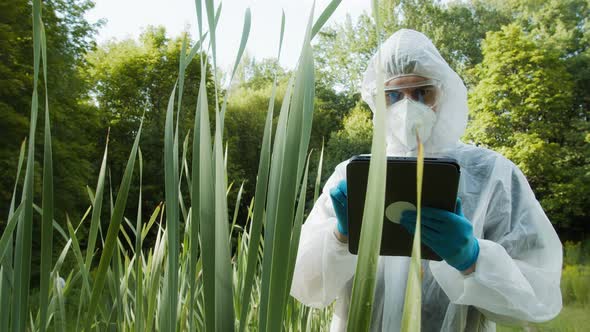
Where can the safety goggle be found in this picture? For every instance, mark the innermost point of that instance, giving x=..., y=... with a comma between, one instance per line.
x=427, y=92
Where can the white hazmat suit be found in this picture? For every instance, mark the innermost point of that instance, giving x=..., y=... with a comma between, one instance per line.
x=518, y=269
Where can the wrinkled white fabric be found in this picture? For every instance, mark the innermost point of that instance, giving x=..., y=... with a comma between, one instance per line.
x=407, y=117
x=518, y=270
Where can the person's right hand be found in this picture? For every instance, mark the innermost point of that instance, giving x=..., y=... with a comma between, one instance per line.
x=338, y=194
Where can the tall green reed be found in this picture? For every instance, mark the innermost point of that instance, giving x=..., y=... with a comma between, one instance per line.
x=363, y=289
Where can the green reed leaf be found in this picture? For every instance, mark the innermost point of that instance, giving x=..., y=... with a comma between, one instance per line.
x=112, y=232
x=363, y=290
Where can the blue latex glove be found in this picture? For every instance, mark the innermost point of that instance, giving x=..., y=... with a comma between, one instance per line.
x=340, y=203
x=448, y=234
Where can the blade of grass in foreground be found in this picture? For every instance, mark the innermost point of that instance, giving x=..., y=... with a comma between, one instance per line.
x=206, y=207
x=317, y=26
x=5, y=242
x=411, y=319
x=21, y=158
x=274, y=177
x=363, y=290
x=286, y=175
x=6, y=253
x=112, y=232
x=24, y=233
x=236, y=210
x=47, y=220
x=296, y=232
x=96, y=207
x=243, y=42
x=259, y=198
x=224, y=311
x=171, y=187
x=316, y=190
x=138, y=257
x=195, y=203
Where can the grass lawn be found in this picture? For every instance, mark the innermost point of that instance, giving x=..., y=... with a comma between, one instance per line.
x=572, y=318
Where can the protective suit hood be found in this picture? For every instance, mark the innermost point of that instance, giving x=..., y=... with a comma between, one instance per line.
x=408, y=52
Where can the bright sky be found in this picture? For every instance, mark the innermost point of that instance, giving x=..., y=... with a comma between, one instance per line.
x=127, y=18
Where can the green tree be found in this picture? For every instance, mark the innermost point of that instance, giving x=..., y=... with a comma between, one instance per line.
x=131, y=78
x=523, y=107
x=354, y=138
x=456, y=28
x=75, y=123
x=246, y=112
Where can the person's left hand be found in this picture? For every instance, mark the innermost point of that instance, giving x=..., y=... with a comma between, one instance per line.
x=448, y=234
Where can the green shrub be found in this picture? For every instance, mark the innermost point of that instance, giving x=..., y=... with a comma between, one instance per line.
x=575, y=284
x=572, y=253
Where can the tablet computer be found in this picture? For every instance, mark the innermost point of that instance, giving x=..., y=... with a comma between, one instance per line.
x=439, y=190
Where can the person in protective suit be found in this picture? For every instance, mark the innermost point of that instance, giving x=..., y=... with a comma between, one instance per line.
x=502, y=257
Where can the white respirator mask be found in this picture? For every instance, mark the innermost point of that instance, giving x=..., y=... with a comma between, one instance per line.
x=407, y=117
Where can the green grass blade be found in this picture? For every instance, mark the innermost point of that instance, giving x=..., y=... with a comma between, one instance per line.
x=318, y=179
x=80, y=261
x=97, y=207
x=146, y=228
x=21, y=158
x=61, y=304
x=47, y=220
x=260, y=195
x=217, y=15
x=138, y=256
x=243, y=42
x=112, y=232
x=281, y=36
x=6, y=246
x=273, y=178
x=296, y=233
x=23, y=247
x=56, y=226
x=195, y=201
x=181, y=70
x=295, y=152
x=206, y=207
x=359, y=317
x=47, y=198
x=199, y=11
x=5, y=240
x=196, y=48
x=61, y=258
x=212, y=22
x=324, y=16
x=224, y=312
x=155, y=272
x=236, y=210
x=412, y=314
x=273, y=188
x=6, y=262
x=184, y=167
x=171, y=187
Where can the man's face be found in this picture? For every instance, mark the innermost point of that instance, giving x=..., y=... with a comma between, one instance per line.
x=417, y=88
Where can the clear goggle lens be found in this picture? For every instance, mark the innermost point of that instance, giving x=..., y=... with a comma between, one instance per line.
x=428, y=93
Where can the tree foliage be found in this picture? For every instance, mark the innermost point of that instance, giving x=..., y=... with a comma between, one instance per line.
x=524, y=107
x=75, y=124
x=134, y=78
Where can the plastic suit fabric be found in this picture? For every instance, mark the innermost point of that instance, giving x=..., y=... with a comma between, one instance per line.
x=518, y=270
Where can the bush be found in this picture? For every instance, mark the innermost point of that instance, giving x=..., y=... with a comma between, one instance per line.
x=575, y=284
x=572, y=253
